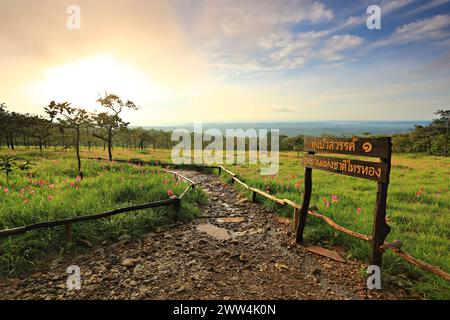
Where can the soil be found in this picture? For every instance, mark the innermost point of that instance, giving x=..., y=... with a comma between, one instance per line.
x=234, y=250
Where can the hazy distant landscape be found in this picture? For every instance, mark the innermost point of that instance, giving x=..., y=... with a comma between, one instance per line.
x=310, y=127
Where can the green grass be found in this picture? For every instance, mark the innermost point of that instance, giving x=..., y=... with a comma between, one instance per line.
x=53, y=192
x=422, y=222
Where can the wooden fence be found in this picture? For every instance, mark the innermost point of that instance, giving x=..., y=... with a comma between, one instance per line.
x=68, y=223
x=394, y=246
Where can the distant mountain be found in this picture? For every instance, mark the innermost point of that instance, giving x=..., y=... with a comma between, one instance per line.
x=309, y=127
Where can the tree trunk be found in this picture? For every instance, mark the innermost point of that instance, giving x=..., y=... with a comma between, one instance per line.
x=110, y=144
x=77, y=149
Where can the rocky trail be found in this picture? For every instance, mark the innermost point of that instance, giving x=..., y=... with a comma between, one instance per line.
x=235, y=250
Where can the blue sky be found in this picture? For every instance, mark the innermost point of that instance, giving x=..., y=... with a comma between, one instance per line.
x=223, y=60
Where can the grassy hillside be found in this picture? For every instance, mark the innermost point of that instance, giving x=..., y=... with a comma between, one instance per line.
x=53, y=191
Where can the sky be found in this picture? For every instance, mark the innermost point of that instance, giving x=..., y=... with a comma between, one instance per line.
x=221, y=60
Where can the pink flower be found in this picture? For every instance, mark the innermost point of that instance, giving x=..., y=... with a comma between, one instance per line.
x=358, y=210
x=78, y=179
x=165, y=181
x=51, y=186
x=328, y=204
x=72, y=184
x=418, y=194
x=6, y=190
x=170, y=192
x=22, y=191
x=334, y=198
x=41, y=182
x=50, y=198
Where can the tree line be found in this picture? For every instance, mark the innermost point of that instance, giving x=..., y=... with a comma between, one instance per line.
x=65, y=124
x=431, y=139
x=71, y=127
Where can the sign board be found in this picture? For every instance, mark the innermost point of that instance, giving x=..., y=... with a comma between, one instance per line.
x=377, y=171
x=369, y=147
x=362, y=169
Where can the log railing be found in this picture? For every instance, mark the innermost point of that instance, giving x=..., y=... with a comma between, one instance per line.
x=68, y=222
x=394, y=246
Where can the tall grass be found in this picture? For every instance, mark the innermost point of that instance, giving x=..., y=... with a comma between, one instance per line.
x=53, y=191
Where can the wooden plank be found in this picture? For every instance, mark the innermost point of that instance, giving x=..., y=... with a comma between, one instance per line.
x=305, y=205
x=268, y=196
x=49, y=224
x=369, y=147
x=377, y=171
x=380, y=228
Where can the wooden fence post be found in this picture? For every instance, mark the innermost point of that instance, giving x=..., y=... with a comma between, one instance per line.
x=69, y=232
x=177, y=205
x=295, y=219
x=305, y=205
x=380, y=228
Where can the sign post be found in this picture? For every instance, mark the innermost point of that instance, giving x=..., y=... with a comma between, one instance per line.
x=377, y=171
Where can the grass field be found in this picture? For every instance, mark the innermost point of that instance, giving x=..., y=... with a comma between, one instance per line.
x=53, y=192
x=418, y=207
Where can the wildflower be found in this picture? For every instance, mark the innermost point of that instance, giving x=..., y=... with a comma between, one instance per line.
x=6, y=190
x=324, y=200
x=78, y=179
x=26, y=201
x=165, y=181
x=41, y=182
x=51, y=186
x=358, y=211
x=72, y=184
x=50, y=198
x=334, y=198
x=170, y=192
x=22, y=191
x=328, y=204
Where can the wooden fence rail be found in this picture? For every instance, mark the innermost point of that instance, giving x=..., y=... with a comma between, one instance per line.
x=69, y=221
x=394, y=246
x=174, y=200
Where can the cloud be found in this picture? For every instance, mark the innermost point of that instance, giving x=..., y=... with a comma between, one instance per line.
x=428, y=6
x=257, y=33
x=434, y=28
x=285, y=109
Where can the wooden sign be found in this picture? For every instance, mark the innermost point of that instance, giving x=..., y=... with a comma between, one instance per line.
x=362, y=169
x=377, y=171
x=369, y=147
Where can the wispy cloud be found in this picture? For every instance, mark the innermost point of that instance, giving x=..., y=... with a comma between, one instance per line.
x=434, y=28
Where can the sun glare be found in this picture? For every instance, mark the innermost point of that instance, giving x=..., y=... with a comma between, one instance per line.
x=83, y=81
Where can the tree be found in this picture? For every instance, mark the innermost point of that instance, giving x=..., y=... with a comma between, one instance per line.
x=111, y=120
x=422, y=137
x=9, y=164
x=72, y=118
x=441, y=126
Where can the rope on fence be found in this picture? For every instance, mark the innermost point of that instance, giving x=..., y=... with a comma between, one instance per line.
x=394, y=246
x=69, y=221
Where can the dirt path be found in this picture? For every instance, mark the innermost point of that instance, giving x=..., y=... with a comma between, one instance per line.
x=206, y=259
